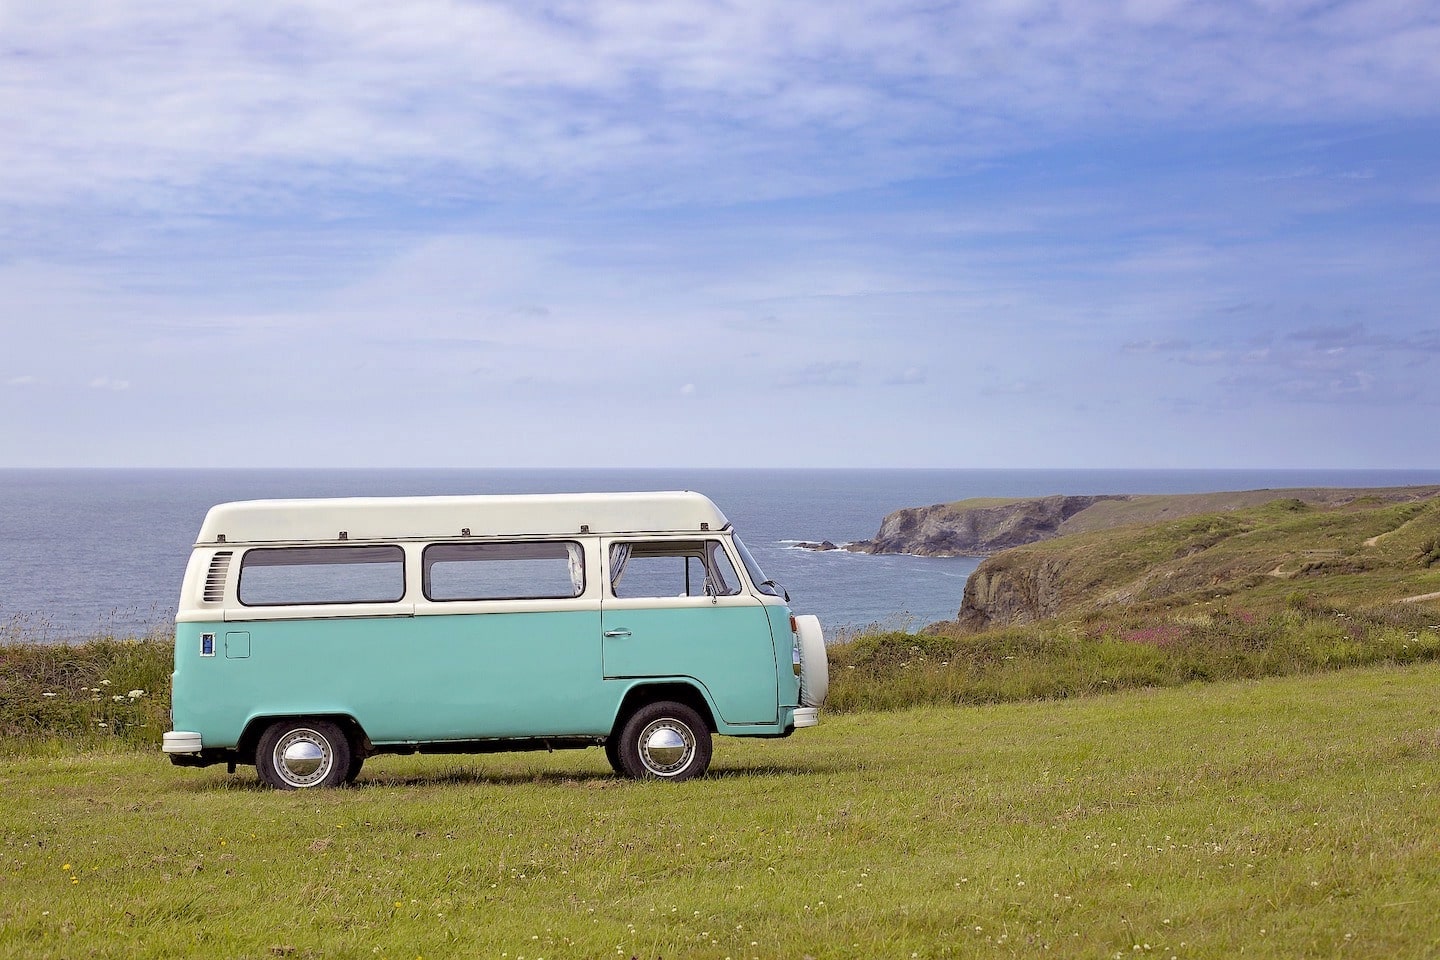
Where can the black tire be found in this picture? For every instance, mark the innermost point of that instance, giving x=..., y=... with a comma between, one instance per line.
x=612, y=753
x=357, y=760
x=300, y=754
x=664, y=741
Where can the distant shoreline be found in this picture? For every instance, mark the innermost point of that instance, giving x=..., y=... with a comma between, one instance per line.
x=982, y=527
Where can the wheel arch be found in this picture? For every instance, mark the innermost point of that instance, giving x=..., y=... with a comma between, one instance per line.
x=255, y=729
x=678, y=691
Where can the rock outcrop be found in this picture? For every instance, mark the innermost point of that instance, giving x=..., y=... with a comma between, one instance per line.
x=974, y=528
x=1001, y=592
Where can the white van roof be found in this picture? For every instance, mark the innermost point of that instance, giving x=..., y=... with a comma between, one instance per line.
x=432, y=518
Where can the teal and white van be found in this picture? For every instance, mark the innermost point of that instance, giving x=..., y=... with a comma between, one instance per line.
x=312, y=634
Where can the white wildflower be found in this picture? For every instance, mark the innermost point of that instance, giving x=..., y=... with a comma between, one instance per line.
x=135, y=694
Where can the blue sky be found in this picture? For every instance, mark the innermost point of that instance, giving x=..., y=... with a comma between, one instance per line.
x=1000, y=234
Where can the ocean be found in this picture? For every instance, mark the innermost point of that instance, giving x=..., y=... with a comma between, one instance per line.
x=87, y=552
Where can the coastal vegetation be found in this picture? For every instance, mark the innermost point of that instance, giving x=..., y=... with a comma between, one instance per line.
x=105, y=692
x=1272, y=589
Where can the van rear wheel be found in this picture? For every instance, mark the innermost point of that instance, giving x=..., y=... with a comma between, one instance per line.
x=299, y=754
x=664, y=741
x=612, y=753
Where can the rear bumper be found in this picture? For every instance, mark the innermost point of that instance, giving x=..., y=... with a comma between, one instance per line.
x=181, y=741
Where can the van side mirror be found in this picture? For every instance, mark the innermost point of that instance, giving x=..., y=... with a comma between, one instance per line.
x=781, y=591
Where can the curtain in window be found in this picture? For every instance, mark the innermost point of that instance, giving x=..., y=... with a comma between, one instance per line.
x=619, y=556
x=577, y=567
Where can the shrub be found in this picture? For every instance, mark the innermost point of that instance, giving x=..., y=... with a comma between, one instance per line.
x=1054, y=659
x=101, y=691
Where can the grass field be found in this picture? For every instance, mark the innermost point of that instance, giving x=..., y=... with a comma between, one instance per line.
x=1277, y=818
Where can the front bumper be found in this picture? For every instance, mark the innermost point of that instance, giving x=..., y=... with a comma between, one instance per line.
x=807, y=717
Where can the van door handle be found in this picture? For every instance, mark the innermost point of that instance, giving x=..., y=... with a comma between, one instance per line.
x=622, y=632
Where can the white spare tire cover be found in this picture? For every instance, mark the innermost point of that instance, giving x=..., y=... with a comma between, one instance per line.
x=814, y=662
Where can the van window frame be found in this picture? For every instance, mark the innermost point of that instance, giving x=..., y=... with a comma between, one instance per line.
x=317, y=548
x=676, y=547
x=426, y=586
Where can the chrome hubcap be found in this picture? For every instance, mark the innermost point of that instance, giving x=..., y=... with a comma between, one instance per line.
x=303, y=757
x=666, y=747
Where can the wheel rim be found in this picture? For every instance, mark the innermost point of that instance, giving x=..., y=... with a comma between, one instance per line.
x=303, y=757
x=666, y=747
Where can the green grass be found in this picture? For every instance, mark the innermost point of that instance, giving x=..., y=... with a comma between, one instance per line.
x=1284, y=818
x=1120, y=649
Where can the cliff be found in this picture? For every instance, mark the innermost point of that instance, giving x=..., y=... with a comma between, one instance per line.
x=1366, y=547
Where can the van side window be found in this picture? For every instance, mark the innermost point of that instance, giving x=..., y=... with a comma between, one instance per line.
x=674, y=568
x=281, y=576
x=542, y=570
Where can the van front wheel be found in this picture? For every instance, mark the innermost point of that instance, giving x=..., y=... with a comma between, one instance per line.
x=664, y=741
x=298, y=754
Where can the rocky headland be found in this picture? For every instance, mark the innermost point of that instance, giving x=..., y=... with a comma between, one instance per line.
x=1119, y=564
x=972, y=528
x=983, y=526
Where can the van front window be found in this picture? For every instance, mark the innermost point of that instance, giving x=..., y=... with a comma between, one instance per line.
x=757, y=576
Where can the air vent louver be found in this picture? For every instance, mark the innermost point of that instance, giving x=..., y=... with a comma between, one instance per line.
x=215, y=579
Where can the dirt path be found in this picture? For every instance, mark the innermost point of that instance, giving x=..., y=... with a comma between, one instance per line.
x=1422, y=597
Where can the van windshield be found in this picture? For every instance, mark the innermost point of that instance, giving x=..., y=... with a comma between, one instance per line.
x=757, y=576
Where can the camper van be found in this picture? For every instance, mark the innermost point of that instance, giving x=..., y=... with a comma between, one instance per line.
x=312, y=634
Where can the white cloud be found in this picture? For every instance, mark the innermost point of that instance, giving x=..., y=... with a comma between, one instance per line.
x=109, y=383
x=825, y=373
x=233, y=105
x=1013, y=388
x=23, y=381
x=1172, y=345
x=908, y=377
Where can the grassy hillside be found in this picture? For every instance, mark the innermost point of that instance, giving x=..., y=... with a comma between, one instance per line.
x=1259, y=559
x=1136, y=510
x=1288, y=818
x=1127, y=510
